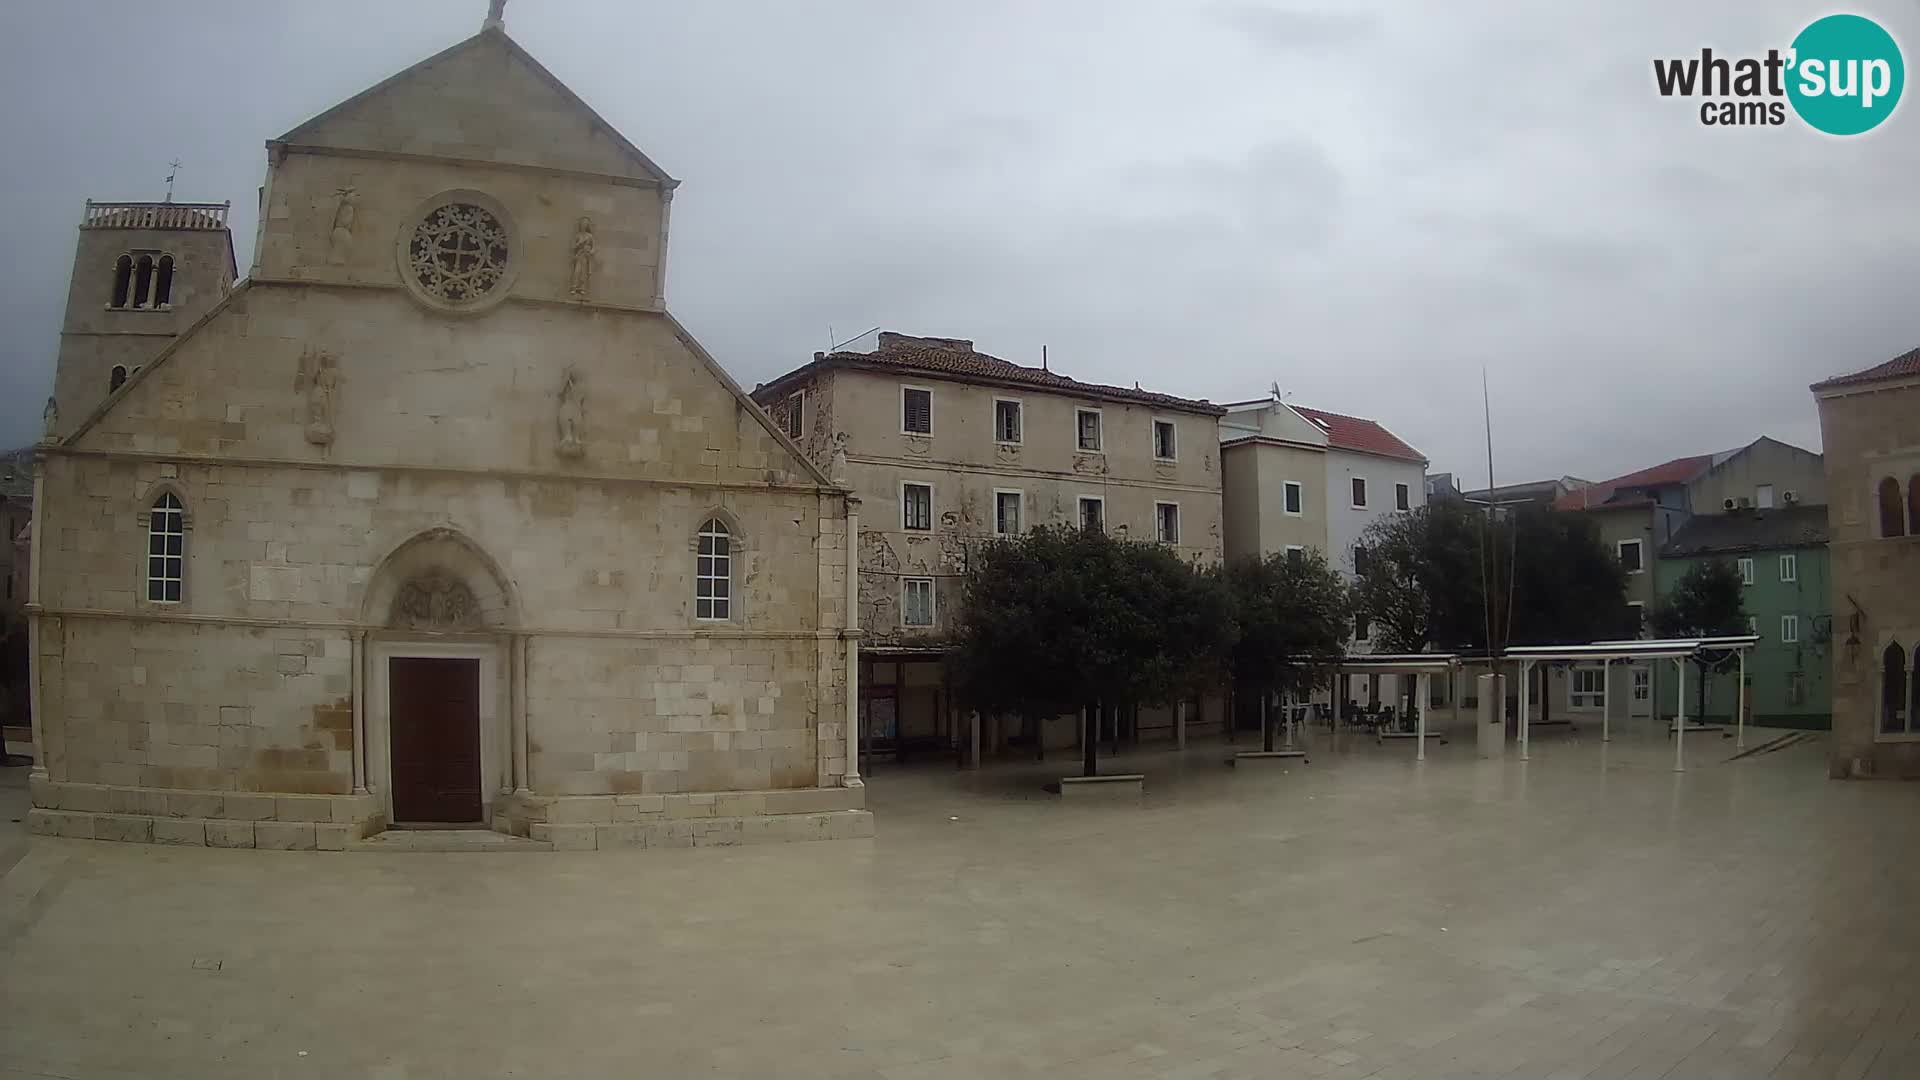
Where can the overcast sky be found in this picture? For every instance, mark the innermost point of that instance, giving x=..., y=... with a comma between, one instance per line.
x=1363, y=201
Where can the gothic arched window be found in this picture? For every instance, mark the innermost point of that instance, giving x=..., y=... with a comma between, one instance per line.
x=116, y=377
x=1894, y=718
x=163, y=282
x=166, y=549
x=1890, y=508
x=1913, y=504
x=122, y=280
x=713, y=588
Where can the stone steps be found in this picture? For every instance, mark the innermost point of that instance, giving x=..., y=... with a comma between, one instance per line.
x=417, y=840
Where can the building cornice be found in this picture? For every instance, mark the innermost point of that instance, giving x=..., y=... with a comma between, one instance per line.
x=1008, y=472
x=547, y=171
x=348, y=626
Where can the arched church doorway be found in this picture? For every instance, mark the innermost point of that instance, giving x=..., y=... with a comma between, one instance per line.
x=438, y=681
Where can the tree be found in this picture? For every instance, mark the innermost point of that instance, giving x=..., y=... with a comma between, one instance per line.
x=1291, y=612
x=1422, y=583
x=1062, y=619
x=1567, y=586
x=1709, y=600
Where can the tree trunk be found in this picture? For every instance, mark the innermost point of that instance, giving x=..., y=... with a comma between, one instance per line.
x=1232, y=703
x=1266, y=724
x=1090, y=740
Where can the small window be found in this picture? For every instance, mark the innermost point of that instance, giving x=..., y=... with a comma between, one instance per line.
x=1360, y=561
x=116, y=377
x=1763, y=497
x=916, y=507
x=1642, y=684
x=1166, y=518
x=1796, y=688
x=1093, y=513
x=1296, y=554
x=1789, y=568
x=1163, y=441
x=142, y=281
x=1746, y=571
x=122, y=281
x=1893, y=690
x=1401, y=497
x=1789, y=629
x=1006, y=513
x=1629, y=551
x=1359, y=493
x=916, y=411
x=1753, y=625
x=916, y=601
x=1892, y=518
x=1087, y=429
x=713, y=584
x=163, y=283
x=795, y=420
x=1006, y=421
x=1588, y=688
x=1294, y=497
x=1361, y=626
x=1638, y=610
x=166, y=549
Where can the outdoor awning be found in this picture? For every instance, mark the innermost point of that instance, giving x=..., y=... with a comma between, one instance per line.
x=1398, y=663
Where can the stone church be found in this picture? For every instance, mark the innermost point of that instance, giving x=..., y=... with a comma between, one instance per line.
x=438, y=518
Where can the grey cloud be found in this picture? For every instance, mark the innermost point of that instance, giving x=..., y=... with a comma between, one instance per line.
x=1293, y=29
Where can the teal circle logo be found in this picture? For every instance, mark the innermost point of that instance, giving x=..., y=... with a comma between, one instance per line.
x=1845, y=74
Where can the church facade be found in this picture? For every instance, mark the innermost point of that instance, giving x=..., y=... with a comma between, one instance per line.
x=437, y=518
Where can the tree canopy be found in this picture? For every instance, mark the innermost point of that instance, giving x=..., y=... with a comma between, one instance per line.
x=1290, y=613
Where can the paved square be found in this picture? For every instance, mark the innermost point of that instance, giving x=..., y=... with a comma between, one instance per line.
x=1587, y=914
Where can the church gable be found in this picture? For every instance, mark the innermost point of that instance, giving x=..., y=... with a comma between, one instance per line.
x=485, y=99
x=360, y=379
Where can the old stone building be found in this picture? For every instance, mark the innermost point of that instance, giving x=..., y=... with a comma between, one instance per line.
x=437, y=518
x=1870, y=428
x=946, y=447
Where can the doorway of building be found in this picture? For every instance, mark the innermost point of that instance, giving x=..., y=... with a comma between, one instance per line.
x=434, y=725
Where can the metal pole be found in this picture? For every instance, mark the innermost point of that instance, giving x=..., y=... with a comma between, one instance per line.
x=1740, y=722
x=1180, y=724
x=1680, y=719
x=1526, y=703
x=1422, y=686
x=1606, y=701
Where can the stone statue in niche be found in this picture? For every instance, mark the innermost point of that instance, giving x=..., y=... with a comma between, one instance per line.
x=340, y=240
x=437, y=602
x=581, y=285
x=319, y=379
x=837, y=462
x=572, y=416
x=50, y=420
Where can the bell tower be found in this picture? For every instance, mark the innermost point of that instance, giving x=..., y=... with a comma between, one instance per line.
x=142, y=273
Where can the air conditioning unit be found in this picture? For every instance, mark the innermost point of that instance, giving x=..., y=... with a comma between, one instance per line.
x=1726, y=504
x=1789, y=497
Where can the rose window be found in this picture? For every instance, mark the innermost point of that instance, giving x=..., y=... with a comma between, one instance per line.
x=459, y=253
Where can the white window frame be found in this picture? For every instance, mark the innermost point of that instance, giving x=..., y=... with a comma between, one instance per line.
x=1640, y=550
x=1173, y=438
x=1099, y=430
x=1291, y=548
x=1790, y=568
x=904, y=485
x=796, y=419
x=172, y=564
x=1642, y=685
x=1080, y=510
x=1745, y=565
x=928, y=390
x=1299, y=489
x=1020, y=421
x=1362, y=626
x=1753, y=625
x=1789, y=629
x=721, y=606
x=1763, y=496
x=933, y=599
x=1020, y=511
x=1159, y=533
x=1398, y=490
x=1590, y=698
x=1796, y=680
x=1361, y=503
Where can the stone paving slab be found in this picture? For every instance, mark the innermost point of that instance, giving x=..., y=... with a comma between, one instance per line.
x=1588, y=914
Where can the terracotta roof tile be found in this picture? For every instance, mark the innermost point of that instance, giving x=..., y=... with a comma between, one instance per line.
x=1358, y=433
x=1905, y=365
x=957, y=357
x=1750, y=530
x=1677, y=471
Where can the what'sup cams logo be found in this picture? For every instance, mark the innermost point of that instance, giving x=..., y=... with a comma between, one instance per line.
x=1842, y=75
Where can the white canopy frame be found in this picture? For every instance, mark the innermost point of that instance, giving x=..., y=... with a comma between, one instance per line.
x=1421, y=665
x=1679, y=650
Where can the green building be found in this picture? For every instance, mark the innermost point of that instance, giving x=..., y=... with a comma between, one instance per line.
x=1782, y=556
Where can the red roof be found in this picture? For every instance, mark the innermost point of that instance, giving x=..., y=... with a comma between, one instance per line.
x=1356, y=433
x=957, y=357
x=1677, y=471
x=1906, y=364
